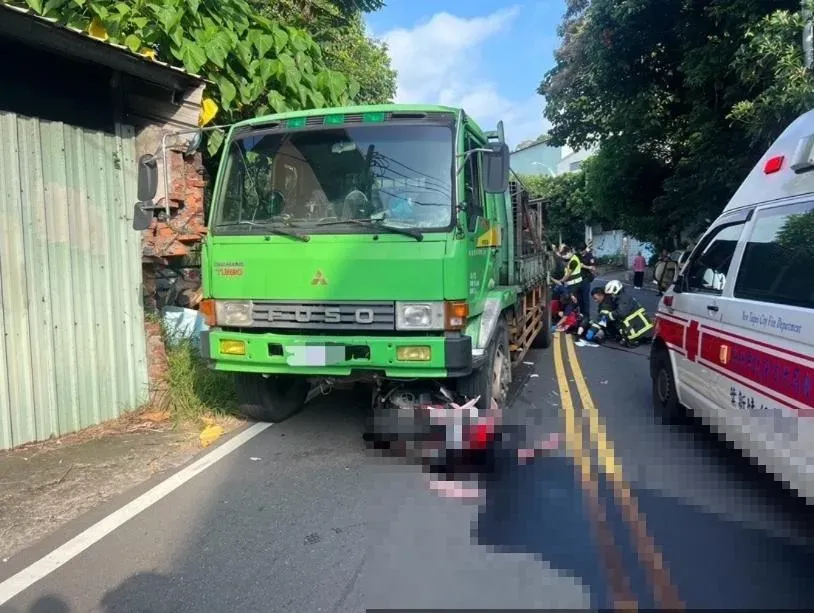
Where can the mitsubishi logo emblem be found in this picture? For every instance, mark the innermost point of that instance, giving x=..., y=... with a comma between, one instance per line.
x=319, y=279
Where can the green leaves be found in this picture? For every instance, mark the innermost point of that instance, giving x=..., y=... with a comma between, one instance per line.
x=133, y=42
x=333, y=83
x=227, y=90
x=192, y=55
x=254, y=63
x=214, y=141
x=277, y=101
x=683, y=98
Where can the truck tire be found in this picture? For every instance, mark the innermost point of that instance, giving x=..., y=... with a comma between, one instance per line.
x=494, y=377
x=273, y=399
x=665, y=395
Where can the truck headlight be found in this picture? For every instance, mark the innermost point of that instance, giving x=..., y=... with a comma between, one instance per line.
x=419, y=316
x=233, y=313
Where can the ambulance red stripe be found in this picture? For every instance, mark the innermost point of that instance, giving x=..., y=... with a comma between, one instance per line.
x=768, y=374
x=802, y=356
x=780, y=375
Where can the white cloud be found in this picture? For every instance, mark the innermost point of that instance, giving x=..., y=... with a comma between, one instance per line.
x=438, y=62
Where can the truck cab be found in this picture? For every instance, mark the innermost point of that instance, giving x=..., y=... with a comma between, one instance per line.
x=359, y=244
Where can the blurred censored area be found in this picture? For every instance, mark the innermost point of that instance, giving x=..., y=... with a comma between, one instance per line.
x=434, y=427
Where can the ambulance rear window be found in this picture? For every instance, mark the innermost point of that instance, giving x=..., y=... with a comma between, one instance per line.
x=778, y=264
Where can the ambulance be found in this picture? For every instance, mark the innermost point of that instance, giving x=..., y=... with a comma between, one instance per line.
x=734, y=334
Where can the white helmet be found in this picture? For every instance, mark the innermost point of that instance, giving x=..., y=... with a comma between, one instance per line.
x=613, y=287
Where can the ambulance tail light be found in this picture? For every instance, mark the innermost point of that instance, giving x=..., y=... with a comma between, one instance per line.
x=668, y=301
x=773, y=164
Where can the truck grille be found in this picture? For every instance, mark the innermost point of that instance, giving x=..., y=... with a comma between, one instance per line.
x=306, y=315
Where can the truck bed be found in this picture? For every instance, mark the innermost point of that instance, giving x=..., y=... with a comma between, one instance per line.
x=532, y=257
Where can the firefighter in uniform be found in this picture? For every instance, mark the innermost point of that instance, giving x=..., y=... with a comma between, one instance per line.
x=597, y=330
x=620, y=316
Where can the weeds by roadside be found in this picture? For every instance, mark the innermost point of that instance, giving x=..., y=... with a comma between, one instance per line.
x=194, y=391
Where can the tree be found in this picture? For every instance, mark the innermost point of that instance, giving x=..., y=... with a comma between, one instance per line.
x=339, y=29
x=257, y=65
x=568, y=204
x=366, y=61
x=693, y=92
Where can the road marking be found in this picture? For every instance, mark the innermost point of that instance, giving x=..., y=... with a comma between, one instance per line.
x=620, y=584
x=666, y=594
x=66, y=552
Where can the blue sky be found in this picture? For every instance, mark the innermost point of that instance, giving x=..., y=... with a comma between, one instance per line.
x=487, y=57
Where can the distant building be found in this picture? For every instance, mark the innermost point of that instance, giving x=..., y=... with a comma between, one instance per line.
x=536, y=159
x=572, y=161
x=539, y=158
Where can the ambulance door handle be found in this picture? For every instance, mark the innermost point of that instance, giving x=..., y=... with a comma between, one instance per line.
x=712, y=307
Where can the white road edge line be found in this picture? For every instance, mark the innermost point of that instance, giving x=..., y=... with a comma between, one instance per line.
x=65, y=553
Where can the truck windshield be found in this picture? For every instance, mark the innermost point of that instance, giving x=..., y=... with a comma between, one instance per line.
x=398, y=175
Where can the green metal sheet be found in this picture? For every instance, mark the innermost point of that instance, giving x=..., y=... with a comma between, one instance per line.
x=72, y=346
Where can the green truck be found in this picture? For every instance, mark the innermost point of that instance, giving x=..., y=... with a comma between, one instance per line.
x=375, y=245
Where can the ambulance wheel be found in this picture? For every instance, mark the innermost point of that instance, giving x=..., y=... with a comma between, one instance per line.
x=494, y=378
x=273, y=399
x=665, y=395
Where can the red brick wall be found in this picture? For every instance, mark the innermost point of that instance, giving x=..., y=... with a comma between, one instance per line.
x=168, y=239
x=186, y=225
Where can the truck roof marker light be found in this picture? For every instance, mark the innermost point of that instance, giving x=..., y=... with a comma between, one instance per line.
x=296, y=122
x=333, y=120
x=774, y=164
x=373, y=117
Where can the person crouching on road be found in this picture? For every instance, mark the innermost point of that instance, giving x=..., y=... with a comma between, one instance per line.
x=623, y=317
x=569, y=314
x=598, y=330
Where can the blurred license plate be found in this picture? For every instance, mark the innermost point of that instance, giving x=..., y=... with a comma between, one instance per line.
x=315, y=355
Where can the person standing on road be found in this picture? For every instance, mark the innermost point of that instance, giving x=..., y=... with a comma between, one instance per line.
x=639, y=264
x=573, y=274
x=588, y=266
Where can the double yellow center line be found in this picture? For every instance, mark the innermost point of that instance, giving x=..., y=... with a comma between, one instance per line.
x=666, y=596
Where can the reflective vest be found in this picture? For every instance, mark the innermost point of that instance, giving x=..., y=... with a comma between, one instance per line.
x=576, y=272
x=636, y=325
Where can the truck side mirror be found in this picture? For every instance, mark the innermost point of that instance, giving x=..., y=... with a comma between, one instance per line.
x=147, y=178
x=496, y=169
x=142, y=216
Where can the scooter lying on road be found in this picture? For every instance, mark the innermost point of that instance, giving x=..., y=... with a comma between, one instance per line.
x=455, y=443
x=443, y=431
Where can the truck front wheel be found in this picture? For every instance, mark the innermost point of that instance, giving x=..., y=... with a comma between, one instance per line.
x=273, y=399
x=494, y=378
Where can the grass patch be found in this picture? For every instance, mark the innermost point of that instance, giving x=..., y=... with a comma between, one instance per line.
x=193, y=389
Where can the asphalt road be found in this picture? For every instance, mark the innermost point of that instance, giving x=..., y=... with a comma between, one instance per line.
x=303, y=518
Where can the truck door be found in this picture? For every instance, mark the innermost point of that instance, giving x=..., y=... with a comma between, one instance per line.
x=483, y=237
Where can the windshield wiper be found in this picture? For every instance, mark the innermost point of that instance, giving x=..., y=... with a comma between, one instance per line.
x=378, y=225
x=268, y=227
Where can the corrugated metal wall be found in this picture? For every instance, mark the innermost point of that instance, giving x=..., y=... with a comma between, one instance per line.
x=72, y=345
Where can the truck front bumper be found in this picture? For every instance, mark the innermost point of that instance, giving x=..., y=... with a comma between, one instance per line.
x=268, y=353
